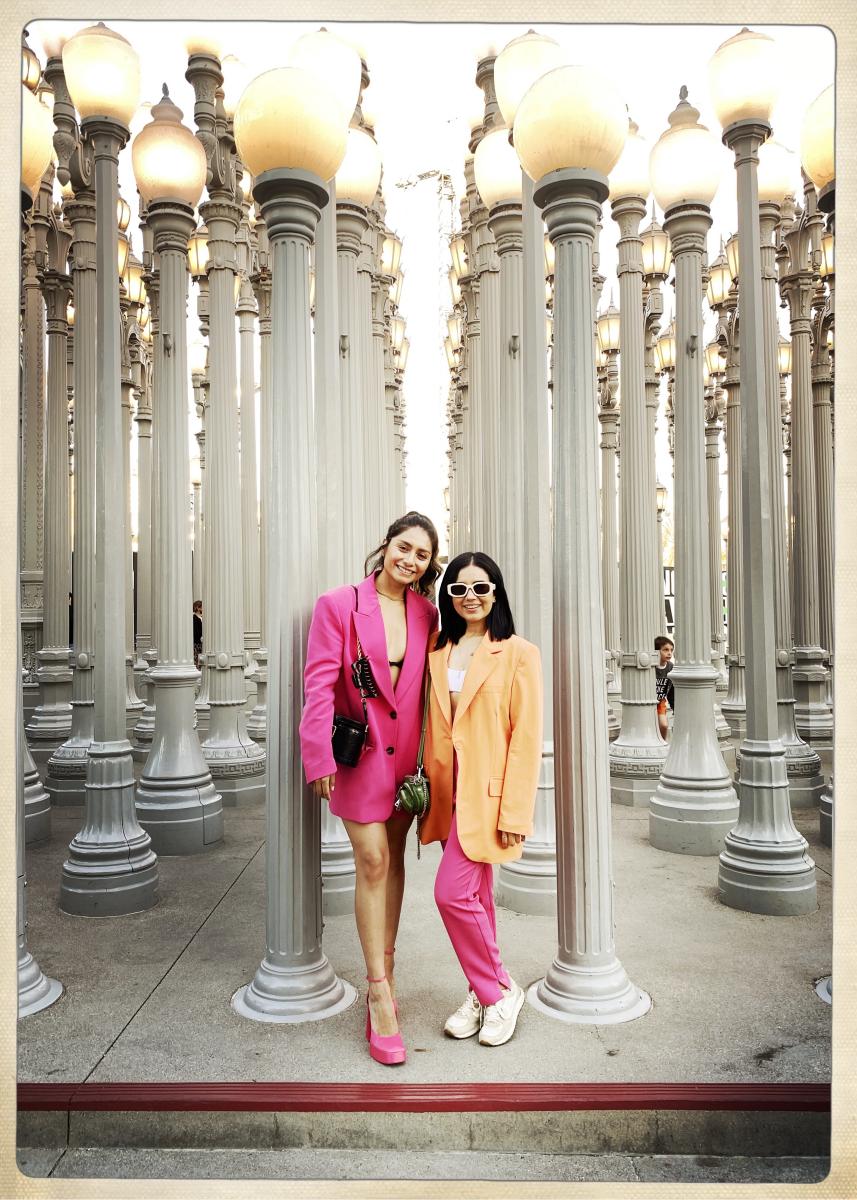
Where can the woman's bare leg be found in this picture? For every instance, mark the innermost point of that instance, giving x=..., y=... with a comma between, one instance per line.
x=371, y=863
x=397, y=833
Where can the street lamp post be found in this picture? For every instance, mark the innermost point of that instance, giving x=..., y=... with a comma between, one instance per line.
x=285, y=115
x=236, y=762
x=111, y=868
x=657, y=259
x=764, y=866
x=695, y=804
x=586, y=981
x=176, y=799
x=637, y=755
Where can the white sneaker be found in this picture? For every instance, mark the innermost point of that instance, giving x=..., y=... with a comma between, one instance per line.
x=466, y=1019
x=498, y=1023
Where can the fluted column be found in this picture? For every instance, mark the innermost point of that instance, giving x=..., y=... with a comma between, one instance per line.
x=822, y=418
x=528, y=885
x=111, y=868
x=638, y=753
x=764, y=866
x=257, y=721
x=715, y=406
x=331, y=444
x=134, y=706
x=177, y=802
x=652, y=312
x=695, y=804
x=733, y=705
x=379, y=511
x=50, y=724
x=505, y=225
x=236, y=762
x=202, y=706
x=813, y=718
x=32, y=495
x=608, y=419
x=148, y=584
x=803, y=765
x=295, y=981
x=586, y=981
x=143, y=420
x=249, y=473
x=476, y=217
x=66, y=769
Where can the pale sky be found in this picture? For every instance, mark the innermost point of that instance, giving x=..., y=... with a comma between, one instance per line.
x=422, y=94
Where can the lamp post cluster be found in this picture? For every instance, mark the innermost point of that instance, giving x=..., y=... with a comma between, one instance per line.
x=585, y=573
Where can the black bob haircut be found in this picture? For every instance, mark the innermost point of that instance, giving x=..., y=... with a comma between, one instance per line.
x=499, y=622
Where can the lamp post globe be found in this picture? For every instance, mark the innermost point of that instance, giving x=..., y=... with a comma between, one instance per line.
x=497, y=169
x=168, y=160
x=360, y=171
x=744, y=75
x=817, y=148
x=517, y=67
x=37, y=131
x=102, y=72
x=336, y=69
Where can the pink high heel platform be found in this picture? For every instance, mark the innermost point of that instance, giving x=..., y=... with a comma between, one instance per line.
x=389, y=1050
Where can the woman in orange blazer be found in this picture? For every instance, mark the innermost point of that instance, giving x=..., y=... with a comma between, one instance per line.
x=482, y=756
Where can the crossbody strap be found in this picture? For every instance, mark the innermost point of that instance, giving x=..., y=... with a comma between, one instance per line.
x=359, y=656
x=425, y=718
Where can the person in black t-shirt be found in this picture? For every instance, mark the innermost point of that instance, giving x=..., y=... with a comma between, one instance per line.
x=197, y=632
x=664, y=690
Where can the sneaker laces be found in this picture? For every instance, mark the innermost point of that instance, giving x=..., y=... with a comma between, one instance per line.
x=468, y=1006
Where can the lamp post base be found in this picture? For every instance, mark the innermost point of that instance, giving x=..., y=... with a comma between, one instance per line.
x=589, y=995
x=35, y=989
x=764, y=866
x=293, y=995
x=825, y=814
x=111, y=869
x=37, y=805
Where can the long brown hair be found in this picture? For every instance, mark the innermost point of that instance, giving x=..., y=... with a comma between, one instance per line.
x=411, y=520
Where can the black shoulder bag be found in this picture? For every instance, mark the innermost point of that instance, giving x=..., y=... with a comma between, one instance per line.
x=349, y=736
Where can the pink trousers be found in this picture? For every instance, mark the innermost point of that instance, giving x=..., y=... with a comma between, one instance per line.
x=464, y=894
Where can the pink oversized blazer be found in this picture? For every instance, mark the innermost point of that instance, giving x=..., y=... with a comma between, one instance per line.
x=366, y=791
x=497, y=738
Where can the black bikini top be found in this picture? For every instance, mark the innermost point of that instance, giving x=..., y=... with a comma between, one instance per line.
x=395, y=664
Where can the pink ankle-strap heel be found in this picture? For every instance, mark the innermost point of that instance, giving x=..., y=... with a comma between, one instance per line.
x=389, y=1050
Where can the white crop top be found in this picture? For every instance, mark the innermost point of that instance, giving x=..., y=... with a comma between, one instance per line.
x=455, y=679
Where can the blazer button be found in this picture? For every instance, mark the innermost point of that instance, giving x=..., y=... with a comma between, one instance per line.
x=393, y=714
x=390, y=750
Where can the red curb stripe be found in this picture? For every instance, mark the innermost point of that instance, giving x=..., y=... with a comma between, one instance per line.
x=430, y=1097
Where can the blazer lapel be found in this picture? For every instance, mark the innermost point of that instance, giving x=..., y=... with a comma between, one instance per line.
x=414, y=664
x=369, y=626
x=437, y=662
x=484, y=661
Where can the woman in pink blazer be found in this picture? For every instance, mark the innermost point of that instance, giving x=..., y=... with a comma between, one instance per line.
x=391, y=614
x=482, y=758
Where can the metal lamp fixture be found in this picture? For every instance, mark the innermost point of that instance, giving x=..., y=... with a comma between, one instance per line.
x=133, y=280
x=454, y=287
x=453, y=325
x=550, y=258
x=358, y=177
x=778, y=172
x=397, y=333
x=657, y=251
x=517, y=67
x=123, y=214
x=719, y=279
x=665, y=348
x=607, y=328
x=197, y=251
x=123, y=250
x=661, y=497
x=402, y=356
x=827, y=266
x=784, y=356
x=733, y=257
x=391, y=255
x=715, y=359
x=458, y=252
x=236, y=76
x=31, y=71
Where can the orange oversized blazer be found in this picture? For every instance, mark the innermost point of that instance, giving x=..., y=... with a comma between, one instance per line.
x=497, y=738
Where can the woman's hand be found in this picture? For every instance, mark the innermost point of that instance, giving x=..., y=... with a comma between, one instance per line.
x=510, y=839
x=323, y=787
